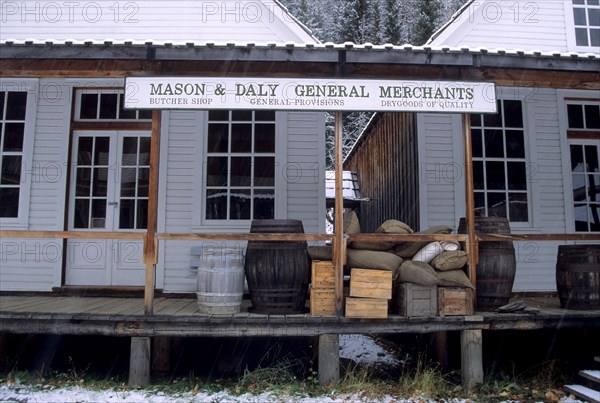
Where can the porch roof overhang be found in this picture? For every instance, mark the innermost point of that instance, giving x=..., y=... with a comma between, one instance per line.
x=106, y=58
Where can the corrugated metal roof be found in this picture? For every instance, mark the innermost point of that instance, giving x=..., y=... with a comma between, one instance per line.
x=290, y=46
x=305, y=46
x=350, y=186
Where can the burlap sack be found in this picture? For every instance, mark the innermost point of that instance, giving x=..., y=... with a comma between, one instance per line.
x=367, y=259
x=320, y=252
x=417, y=273
x=450, y=260
x=351, y=223
x=388, y=227
x=394, y=227
x=454, y=278
x=409, y=249
x=371, y=245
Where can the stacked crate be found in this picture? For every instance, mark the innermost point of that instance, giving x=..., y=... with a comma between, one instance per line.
x=455, y=301
x=322, y=291
x=370, y=291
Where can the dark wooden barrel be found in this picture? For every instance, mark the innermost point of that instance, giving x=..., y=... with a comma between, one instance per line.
x=278, y=272
x=578, y=276
x=497, y=263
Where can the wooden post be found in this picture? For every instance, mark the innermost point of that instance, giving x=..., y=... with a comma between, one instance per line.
x=329, y=359
x=139, y=362
x=440, y=344
x=471, y=245
x=471, y=360
x=339, y=241
x=150, y=245
x=161, y=355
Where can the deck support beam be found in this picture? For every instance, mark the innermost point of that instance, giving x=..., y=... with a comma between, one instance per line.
x=329, y=359
x=161, y=355
x=139, y=362
x=471, y=358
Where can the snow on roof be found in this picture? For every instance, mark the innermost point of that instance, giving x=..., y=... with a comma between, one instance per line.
x=350, y=186
x=289, y=46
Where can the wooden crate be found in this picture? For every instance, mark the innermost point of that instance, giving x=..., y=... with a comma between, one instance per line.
x=368, y=308
x=368, y=283
x=454, y=301
x=416, y=300
x=323, y=274
x=322, y=302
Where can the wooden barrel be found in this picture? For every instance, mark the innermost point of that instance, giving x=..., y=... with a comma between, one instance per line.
x=220, y=280
x=278, y=272
x=497, y=263
x=578, y=276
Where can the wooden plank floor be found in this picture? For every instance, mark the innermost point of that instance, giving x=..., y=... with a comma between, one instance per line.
x=180, y=316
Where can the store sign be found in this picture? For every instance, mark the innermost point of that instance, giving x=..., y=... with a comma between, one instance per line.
x=308, y=94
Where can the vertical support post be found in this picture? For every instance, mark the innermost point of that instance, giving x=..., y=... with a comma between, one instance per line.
x=339, y=241
x=150, y=245
x=472, y=247
x=139, y=361
x=471, y=358
x=329, y=359
x=161, y=355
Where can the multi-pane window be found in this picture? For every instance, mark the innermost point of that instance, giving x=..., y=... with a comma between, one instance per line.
x=499, y=163
x=106, y=105
x=583, y=132
x=12, y=136
x=586, y=16
x=583, y=115
x=585, y=167
x=240, y=165
x=91, y=181
x=135, y=174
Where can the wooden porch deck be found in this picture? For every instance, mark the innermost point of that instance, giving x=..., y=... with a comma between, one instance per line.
x=181, y=317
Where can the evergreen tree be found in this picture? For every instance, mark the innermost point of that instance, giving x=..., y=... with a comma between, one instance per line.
x=392, y=31
x=427, y=20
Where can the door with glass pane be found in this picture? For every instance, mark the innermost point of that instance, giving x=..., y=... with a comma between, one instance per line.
x=108, y=193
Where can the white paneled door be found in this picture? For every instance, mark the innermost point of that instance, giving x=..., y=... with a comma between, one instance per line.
x=108, y=193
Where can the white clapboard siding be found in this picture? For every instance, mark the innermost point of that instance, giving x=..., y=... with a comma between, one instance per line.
x=35, y=264
x=438, y=170
x=518, y=24
x=49, y=167
x=152, y=20
x=305, y=170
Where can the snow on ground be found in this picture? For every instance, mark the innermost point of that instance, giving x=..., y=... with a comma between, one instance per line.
x=364, y=350
x=78, y=395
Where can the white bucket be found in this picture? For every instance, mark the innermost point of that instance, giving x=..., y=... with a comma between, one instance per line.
x=220, y=280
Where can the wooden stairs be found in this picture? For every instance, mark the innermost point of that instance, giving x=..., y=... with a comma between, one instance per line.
x=589, y=394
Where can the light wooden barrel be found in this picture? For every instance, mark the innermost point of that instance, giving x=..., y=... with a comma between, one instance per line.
x=578, y=276
x=278, y=272
x=220, y=280
x=497, y=264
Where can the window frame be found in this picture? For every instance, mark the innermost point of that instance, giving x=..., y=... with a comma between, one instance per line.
x=100, y=91
x=280, y=188
x=570, y=30
x=529, y=183
x=564, y=98
x=581, y=142
x=28, y=172
x=229, y=154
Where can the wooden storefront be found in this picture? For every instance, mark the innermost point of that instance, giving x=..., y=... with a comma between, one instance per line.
x=141, y=320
